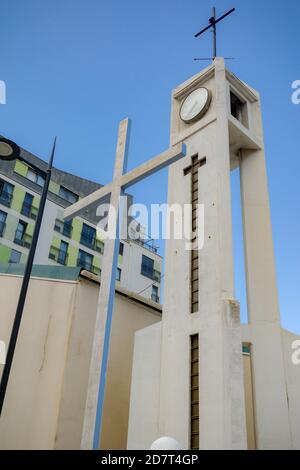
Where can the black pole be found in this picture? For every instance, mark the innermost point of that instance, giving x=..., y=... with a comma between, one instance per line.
x=25, y=283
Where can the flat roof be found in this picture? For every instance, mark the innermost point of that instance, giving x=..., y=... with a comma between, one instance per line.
x=67, y=273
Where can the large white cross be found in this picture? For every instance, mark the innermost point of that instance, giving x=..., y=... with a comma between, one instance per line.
x=100, y=349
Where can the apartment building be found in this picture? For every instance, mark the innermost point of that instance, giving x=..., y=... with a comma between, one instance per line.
x=69, y=243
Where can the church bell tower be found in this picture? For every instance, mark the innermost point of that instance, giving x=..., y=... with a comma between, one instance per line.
x=188, y=377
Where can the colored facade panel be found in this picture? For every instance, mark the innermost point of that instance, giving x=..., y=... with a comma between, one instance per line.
x=21, y=168
x=18, y=199
x=4, y=253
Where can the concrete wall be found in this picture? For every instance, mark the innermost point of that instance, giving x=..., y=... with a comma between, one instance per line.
x=129, y=317
x=292, y=377
x=46, y=394
x=145, y=389
x=30, y=413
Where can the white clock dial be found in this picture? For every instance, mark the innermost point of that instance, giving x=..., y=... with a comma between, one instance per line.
x=195, y=105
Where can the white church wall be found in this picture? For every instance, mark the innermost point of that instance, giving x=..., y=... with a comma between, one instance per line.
x=46, y=395
x=30, y=412
x=143, y=427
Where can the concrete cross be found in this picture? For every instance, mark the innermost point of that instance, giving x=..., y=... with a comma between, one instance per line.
x=100, y=349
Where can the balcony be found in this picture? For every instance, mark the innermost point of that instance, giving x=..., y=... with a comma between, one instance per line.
x=85, y=264
x=22, y=239
x=59, y=256
x=29, y=210
x=155, y=298
x=2, y=228
x=6, y=198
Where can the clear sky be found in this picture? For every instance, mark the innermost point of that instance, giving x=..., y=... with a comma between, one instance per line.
x=74, y=68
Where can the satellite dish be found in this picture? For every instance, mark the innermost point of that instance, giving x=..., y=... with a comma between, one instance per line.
x=165, y=443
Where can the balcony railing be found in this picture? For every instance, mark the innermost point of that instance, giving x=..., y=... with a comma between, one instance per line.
x=60, y=256
x=155, y=298
x=6, y=198
x=22, y=239
x=29, y=210
x=147, y=243
x=82, y=263
x=2, y=228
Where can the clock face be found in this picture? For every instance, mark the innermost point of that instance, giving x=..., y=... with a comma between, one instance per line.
x=195, y=105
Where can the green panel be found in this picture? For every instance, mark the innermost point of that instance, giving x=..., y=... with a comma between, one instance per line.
x=36, y=201
x=54, y=187
x=77, y=228
x=23, y=258
x=11, y=226
x=56, y=242
x=4, y=253
x=99, y=235
x=99, y=246
x=97, y=261
x=30, y=229
x=72, y=255
x=21, y=168
x=18, y=199
x=120, y=259
x=157, y=265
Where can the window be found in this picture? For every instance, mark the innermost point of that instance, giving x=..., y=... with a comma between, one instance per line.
x=238, y=109
x=68, y=195
x=20, y=233
x=121, y=249
x=15, y=257
x=85, y=260
x=147, y=267
x=27, y=206
x=119, y=273
x=63, y=253
x=154, y=295
x=36, y=177
x=88, y=236
x=3, y=216
x=63, y=227
x=6, y=193
x=67, y=228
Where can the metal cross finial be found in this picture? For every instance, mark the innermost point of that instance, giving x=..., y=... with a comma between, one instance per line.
x=212, y=24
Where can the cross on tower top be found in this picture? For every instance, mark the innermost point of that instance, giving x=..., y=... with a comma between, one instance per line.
x=212, y=24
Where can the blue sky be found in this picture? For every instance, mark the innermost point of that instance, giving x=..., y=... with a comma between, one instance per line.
x=74, y=68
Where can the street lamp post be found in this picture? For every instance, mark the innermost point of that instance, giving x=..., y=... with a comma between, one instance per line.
x=10, y=151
